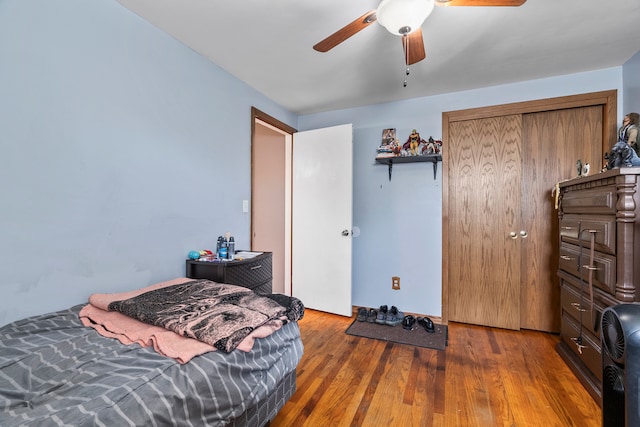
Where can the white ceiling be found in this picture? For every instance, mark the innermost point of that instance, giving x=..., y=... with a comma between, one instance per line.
x=268, y=45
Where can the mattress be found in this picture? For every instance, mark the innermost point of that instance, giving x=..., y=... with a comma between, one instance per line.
x=55, y=371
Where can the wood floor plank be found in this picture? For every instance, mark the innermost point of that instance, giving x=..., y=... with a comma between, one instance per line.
x=485, y=377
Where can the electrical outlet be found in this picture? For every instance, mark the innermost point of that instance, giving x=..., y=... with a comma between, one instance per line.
x=395, y=283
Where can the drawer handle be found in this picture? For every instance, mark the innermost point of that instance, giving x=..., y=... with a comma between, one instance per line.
x=578, y=342
x=588, y=267
x=577, y=306
x=256, y=267
x=566, y=227
x=566, y=258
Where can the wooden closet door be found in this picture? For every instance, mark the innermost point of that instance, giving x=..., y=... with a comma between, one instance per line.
x=484, y=208
x=552, y=143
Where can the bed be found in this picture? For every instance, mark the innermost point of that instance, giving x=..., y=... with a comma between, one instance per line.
x=56, y=370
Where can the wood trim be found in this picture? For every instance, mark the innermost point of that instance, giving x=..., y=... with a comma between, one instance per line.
x=608, y=99
x=257, y=114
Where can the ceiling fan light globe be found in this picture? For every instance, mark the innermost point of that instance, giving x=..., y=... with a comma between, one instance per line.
x=397, y=15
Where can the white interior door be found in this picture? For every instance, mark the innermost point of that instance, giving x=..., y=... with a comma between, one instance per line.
x=322, y=216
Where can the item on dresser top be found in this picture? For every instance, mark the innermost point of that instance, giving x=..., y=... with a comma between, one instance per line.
x=231, y=248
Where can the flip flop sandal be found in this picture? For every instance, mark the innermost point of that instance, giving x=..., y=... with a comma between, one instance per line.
x=362, y=314
x=408, y=322
x=427, y=324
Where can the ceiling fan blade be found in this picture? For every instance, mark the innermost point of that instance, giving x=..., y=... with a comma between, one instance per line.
x=345, y=32
x=480, y=2
x=413, y=45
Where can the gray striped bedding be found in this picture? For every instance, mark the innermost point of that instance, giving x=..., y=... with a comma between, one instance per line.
x=54, y=371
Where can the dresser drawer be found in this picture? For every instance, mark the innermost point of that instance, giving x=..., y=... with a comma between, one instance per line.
x=601, y=200
x=579, y=308
x=604, y=275
x=604, y=226
x=590, y=352
x=250, y=273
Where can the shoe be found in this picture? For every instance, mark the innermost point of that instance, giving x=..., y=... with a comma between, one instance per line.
x=382, y=315
x=362, y=314
x=372, y=316
x=427, y=324
x=408, y=322
x=394, y=317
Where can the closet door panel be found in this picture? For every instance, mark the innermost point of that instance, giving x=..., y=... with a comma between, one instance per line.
x=553, y=141
x=484, y=208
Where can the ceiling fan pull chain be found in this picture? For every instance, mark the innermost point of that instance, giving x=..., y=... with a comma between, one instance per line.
x=406, y=55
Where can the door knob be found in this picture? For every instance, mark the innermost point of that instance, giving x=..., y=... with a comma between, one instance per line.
x=345, y=232
x=513, y=235
x=523, y=234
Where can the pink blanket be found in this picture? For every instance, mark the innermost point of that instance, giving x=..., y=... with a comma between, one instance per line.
x=127, y=330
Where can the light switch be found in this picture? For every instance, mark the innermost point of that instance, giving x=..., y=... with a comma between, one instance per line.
x=245, y=206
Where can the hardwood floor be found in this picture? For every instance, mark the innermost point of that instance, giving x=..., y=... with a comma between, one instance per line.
x=485, y=377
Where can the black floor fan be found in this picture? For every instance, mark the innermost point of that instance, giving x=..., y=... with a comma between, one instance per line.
x=621, y=366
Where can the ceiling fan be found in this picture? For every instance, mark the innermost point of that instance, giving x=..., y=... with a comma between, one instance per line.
x=403, y=18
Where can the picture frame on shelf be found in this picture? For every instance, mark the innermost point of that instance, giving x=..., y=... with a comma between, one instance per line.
x=388, y=137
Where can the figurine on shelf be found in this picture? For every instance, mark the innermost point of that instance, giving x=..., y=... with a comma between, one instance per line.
x=412, y=143
x=396, y=148
x=431, y=147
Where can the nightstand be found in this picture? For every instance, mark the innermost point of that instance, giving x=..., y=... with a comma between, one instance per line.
x=253, y=273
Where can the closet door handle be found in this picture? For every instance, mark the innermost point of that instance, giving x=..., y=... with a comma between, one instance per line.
x=524, y=234
x=513, y=235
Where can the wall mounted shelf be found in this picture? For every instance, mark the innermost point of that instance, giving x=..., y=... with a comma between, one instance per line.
x=434, y=158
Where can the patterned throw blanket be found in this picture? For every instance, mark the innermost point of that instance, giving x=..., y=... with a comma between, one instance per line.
x=221, y=315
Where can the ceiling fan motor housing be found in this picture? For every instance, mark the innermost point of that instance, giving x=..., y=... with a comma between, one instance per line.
x=399, y=15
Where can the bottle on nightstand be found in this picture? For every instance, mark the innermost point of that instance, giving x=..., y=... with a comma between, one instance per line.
x=231, y=248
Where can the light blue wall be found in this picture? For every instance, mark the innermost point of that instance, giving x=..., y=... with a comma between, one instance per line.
x=631, y=86
x=401, y=220
x=121, y=150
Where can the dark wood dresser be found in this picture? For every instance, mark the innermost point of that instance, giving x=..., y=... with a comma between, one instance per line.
x=599, y=263
x=253, y=273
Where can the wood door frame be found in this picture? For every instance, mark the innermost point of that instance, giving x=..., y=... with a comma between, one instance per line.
x=608, y=99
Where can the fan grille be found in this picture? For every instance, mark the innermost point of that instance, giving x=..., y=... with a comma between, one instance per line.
x=614, y=378
x=613, y=335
